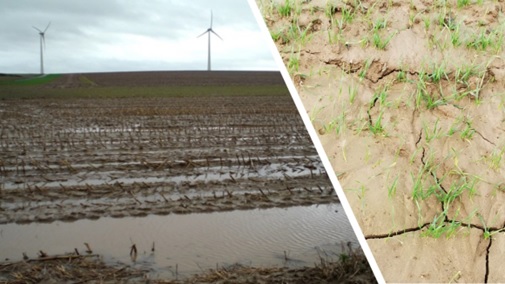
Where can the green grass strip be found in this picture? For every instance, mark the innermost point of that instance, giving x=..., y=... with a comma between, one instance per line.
x=28, y=81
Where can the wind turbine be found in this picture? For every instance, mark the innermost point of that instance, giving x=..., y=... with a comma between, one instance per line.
x=42, y=46
x=208, y=31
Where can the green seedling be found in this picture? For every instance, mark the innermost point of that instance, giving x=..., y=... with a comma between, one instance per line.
x=266, y=9
x=494, y=159
x=392, y=188
x=360, y=192
x=431, y=134
x=432, y=103
x=337, y=124
x=340, y=24
x=353, y=91
x=381, y=96
x=464, y=73
x=376, y=127
x=285, y=9
x=439, y=227
x=276, y=35
x=468, y=132
x=417, y=188
x=303, y=35
x=471, y=186
x=455, y=190
x=297, y=8
x=364, y=70
x=475, y=93
x=462, y=3
x=421, y=90
x=359, y=124
x=330, y=10
x=335, y=36
x=427, y=23
x=450, y=23
x=331, y=36
x=414, y=155
x=438, y=73
x=487, y=233
x=379, y=42
x=455, y=36
x=451, y=130
x=401, y=76
x=422, y=94
x=379, y=24
x=412, y=18
x=486, y=39
x=347, y=14
x=442, y=18
x=294, y=63
x=430, y=165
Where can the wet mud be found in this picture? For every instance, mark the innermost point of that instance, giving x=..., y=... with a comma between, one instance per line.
x=69, y=160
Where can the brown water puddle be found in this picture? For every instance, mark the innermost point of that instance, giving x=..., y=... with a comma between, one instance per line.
x=193, y=242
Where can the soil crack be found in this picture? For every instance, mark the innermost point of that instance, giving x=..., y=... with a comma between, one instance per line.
x=486, y=276
x=446, y=220
x=482, y=136
x=372, y=105
x=397, y=233
x=419, y=140
x=381, y=69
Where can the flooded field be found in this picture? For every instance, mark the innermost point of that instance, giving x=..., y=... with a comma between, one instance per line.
x=257, y=237
x=69, y=160
x=208, y=181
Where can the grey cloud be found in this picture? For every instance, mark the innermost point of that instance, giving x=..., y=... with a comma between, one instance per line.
x=79, y=28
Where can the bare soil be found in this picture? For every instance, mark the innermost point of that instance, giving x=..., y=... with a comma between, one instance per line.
x=172, y=78
x=408, y=100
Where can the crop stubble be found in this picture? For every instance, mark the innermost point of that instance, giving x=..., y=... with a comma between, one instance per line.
x=73, y=159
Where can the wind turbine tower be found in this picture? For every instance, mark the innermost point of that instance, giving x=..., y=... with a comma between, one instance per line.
x=42, y=46
x=208, y=31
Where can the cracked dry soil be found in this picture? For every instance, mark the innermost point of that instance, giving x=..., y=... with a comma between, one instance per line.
x=415, y=130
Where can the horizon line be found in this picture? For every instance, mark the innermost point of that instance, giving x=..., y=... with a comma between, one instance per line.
x=136, y=71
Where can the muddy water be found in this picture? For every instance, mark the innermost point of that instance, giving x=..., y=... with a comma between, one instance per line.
x=195, y=241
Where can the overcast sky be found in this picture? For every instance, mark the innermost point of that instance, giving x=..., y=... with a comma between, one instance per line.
x=130, y=35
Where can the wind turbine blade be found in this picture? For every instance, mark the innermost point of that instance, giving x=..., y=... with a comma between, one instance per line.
x=36, y=29
x=202, y=33
x=216, y=34
x=47, y=26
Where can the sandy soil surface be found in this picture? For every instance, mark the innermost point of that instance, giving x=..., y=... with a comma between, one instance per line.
x=408, y=98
